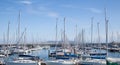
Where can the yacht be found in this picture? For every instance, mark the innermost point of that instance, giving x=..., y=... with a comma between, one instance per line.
x=60, y=62
x=23, y=60
x=112, y=61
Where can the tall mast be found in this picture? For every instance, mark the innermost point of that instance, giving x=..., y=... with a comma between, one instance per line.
x=8, y=33
x=56, y=38
x=24, y=38
x=106, y=29
x=56, y=30
x=83, y=32
x=98, y=32
x=99, y=43
x=76, y=35
x=8, y=36
x=83, y=39
x=91, y=30
x=64, y=35
x=19, y=24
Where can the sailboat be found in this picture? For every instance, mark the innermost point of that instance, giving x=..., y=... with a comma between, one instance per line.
x=61, y=62
x=94, y=58
x=110, y=60
x=100, y=54
x=23, y=60
x=4, y=52
x=20, y=50
x=113, y=61
x=62, y=57
x=19, y=58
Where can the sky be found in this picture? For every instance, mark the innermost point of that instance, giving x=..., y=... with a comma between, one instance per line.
x=39, y=18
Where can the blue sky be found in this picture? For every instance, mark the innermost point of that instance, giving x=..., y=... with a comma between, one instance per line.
x=39, y=17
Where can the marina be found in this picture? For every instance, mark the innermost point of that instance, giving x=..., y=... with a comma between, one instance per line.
x=59, y=32
x=41, y=56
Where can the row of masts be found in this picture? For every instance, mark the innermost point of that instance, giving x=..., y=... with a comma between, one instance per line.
x=64, y=34
x=82, y=34
x=8, y=30
x=19, y=36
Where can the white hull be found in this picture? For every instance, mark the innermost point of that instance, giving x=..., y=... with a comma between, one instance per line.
x=113, y=61
x=94, y=62
x=22, y=62
x=60, y=62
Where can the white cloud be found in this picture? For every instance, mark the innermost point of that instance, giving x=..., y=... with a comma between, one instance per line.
x=94, y=10
x=26, y=2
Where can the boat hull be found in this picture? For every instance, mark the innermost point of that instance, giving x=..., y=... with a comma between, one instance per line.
x=93, y=62
x=21, y=63
x=60, y=63
x=113, y=61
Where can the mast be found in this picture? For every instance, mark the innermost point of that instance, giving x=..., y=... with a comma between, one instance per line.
x=8, y=33
x=64, y=35
x=99, y=36
x=22, y=35
x=4, y=41
x=56, y=30
x=92, y=30
x=98, y=32
x=24, y=39
x=61, y=36
x=106, y=26
x=8, y=36
x=19, y=24
x=106, y=29
x=76, y=36
x=83, y=39
x=56, y=38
